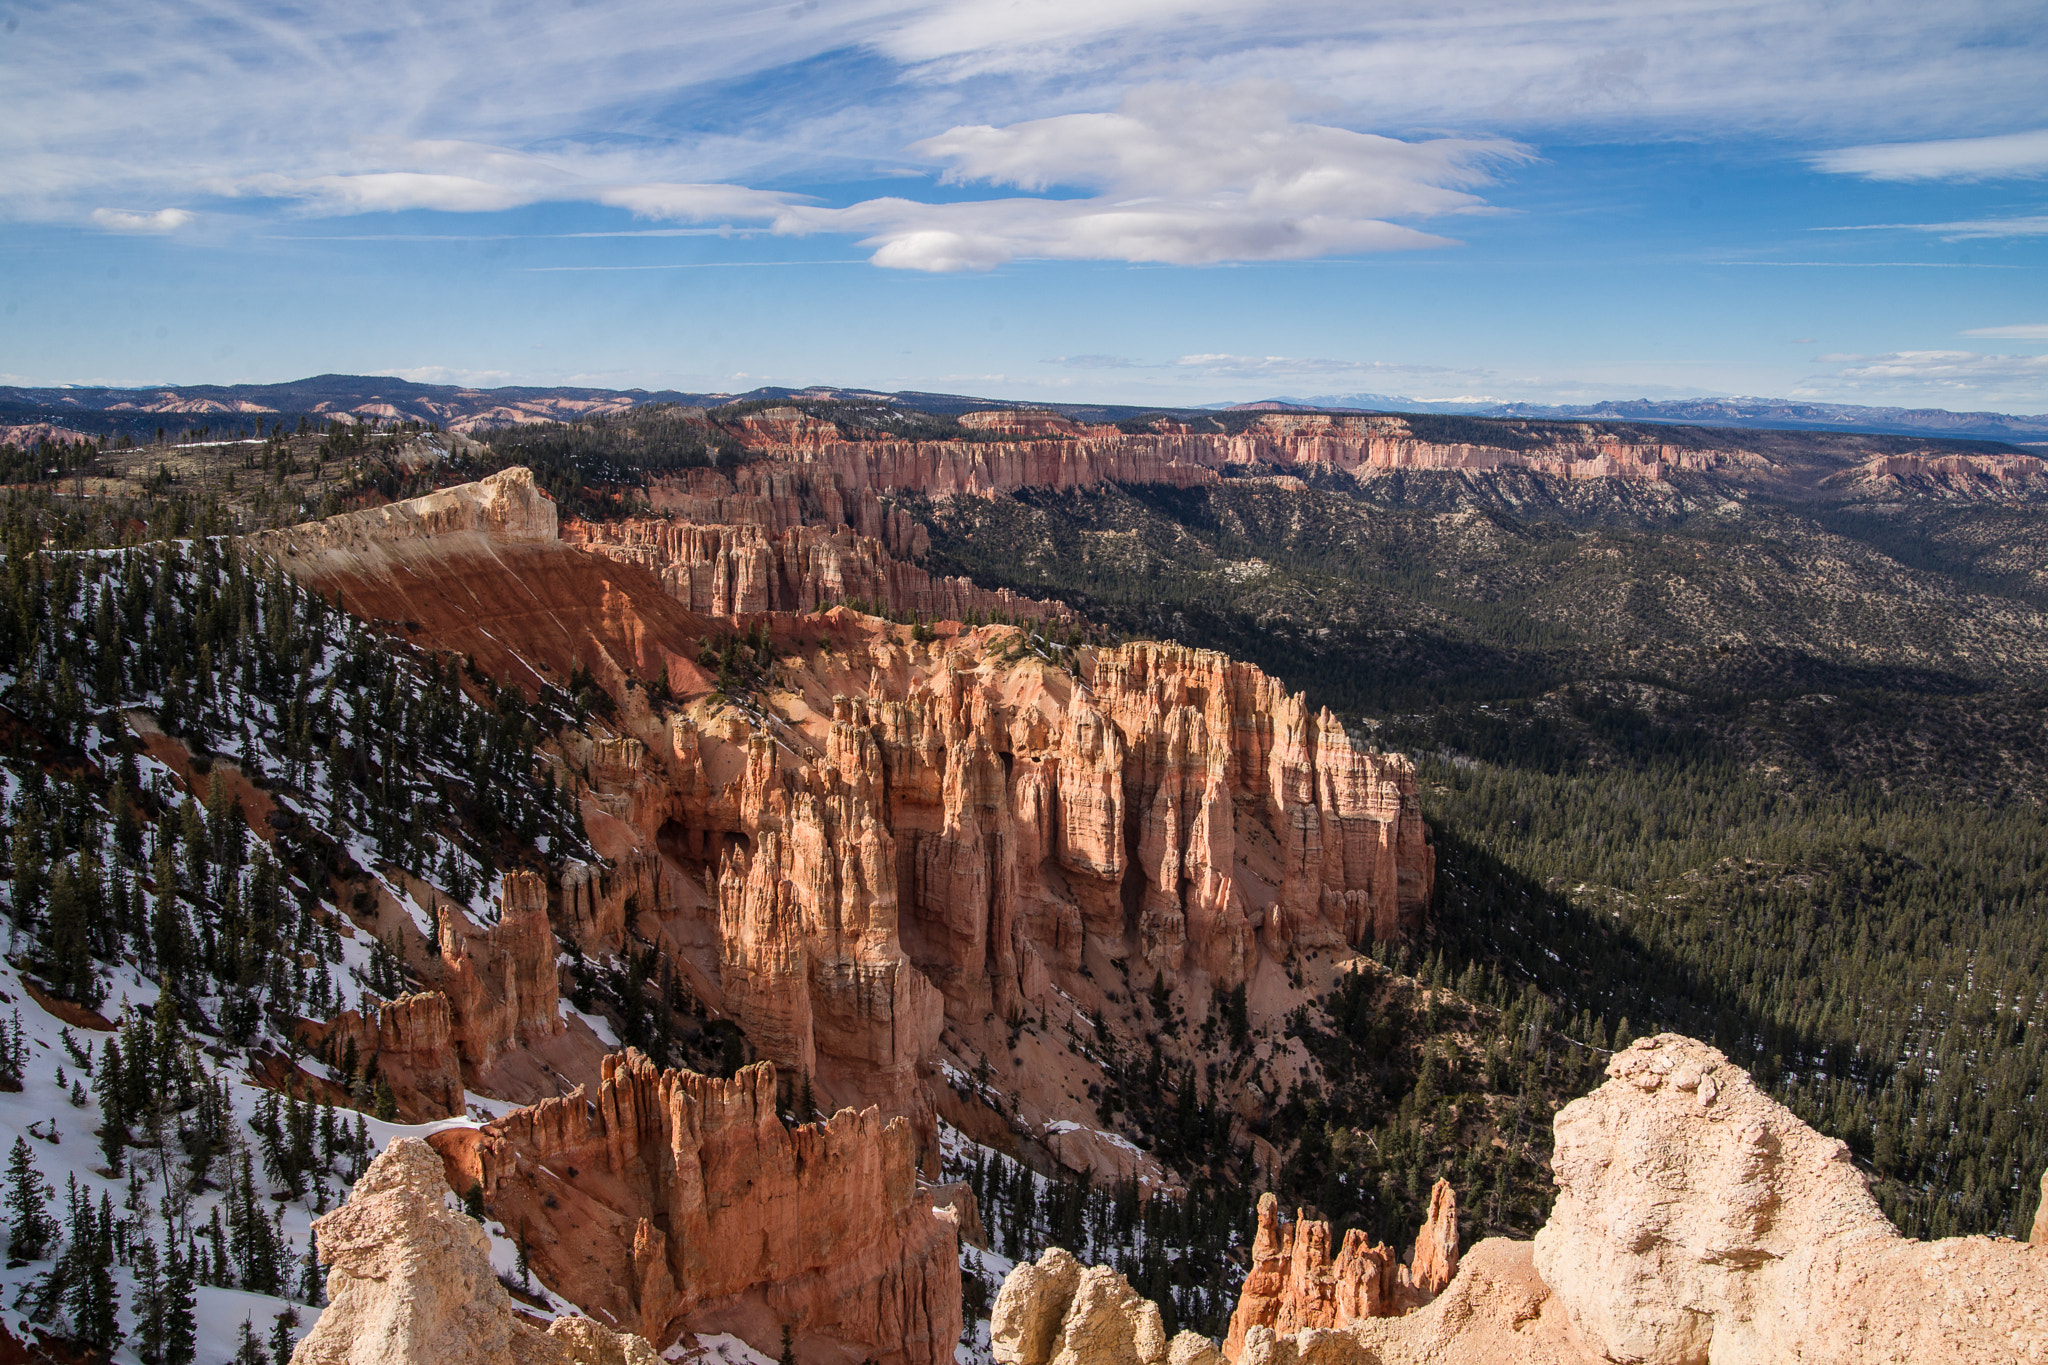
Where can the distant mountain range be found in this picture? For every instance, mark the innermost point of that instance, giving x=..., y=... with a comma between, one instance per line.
x=1775, y=413
x=29, y=414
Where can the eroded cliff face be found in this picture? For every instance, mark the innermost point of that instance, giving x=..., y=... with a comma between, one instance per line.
x=488, y=1017
x=1053, y=453
x=909, y=835
x=888, y=837
x=668, y=1200
x=1697, y=1221
x=745, y=569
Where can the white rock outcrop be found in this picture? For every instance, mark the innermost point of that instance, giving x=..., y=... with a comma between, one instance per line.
x=1699, y=1221
x=409, y=1282
x=1058, y=1313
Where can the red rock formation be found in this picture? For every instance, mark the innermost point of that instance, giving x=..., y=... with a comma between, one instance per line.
x=479, y=570
x=501, y=979
x=1295, y=1284
x=670, y=1200
x=896, y=834
x=724, y=570
x=411, y=1041
x=1436, y=1246
x=1053, y=453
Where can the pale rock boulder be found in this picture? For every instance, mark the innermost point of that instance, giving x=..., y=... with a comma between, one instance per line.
x=1699, y=1222
x=409, y=1282
x=1058, y=1313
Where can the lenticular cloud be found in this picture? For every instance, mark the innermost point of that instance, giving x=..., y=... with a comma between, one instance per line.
x=1178, y=175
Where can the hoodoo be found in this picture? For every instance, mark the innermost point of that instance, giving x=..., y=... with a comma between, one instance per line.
x=878, y=834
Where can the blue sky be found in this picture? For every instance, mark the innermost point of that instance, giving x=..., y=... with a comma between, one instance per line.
x=1121, y=200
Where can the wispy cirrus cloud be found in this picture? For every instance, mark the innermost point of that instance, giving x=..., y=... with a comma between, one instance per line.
x=390, y=105
x=1948, y=376
x=2024, y=331
x=1961, y=230
x=1966, y=158
x=133, y=220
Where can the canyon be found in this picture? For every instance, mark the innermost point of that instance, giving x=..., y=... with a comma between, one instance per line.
x=891, y=835
x=889, y=856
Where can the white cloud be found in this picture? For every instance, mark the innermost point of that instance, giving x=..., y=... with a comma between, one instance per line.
x=1967, y=158
x=1183, y=176
x=2024, y=331
x=1285, y=366
x=1950, y=375
x=126, y=220
x=1963, y=230
x=695, y=203
x=442, y=374
x=621, y=92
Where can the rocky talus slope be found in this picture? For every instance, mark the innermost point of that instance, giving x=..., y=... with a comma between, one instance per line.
x=1699, y=1222
x=667, y=1199
x=410, y=1281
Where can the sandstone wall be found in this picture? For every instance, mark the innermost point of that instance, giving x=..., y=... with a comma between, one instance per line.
x=1054, y=454
x=669, y=1199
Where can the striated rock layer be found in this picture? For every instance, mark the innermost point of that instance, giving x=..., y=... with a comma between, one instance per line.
x=889, y=834
x=409, y=1281
x=1055, y=453
x=953, y=841
x=669, y=1200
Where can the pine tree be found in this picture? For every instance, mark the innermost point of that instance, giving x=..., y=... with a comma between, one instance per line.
x=180, y=1325
x=148, y=1303
x=250, y=1351
x=284, y=1333
x=30, y=1226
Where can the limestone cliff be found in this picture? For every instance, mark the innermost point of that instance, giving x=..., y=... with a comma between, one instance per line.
x=669, y=1200
x=740, y=570
x=410, y=1281
x=919, y=834
x=1052, y=453
x=888, y=835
